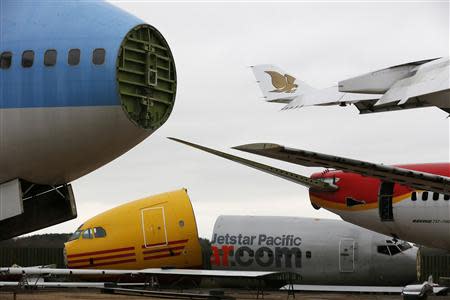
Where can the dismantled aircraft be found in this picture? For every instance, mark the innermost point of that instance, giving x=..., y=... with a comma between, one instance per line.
x=411, y=85
x=74, y=95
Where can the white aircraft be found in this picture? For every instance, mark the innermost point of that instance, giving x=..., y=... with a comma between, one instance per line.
x=411, y=85
x=323, y=252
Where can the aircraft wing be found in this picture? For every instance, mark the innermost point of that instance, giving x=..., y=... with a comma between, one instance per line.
x=414, y=179
x=313, y=184
x=411, y=85
x=344, y=288
x=56, y=271
x=428, y=79
x=37, y=271
x=329, y=96
x=208, y=273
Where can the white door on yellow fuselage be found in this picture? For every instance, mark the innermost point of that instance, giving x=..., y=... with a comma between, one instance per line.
x=154, y=227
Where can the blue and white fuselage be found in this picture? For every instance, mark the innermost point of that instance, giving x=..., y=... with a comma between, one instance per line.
x=80, y=84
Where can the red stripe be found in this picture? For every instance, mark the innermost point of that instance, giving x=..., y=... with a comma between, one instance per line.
x=162, y=250
x=100, y=252
x=101, y=258
x=169, y=243
x=104, y=264
x=161, y=256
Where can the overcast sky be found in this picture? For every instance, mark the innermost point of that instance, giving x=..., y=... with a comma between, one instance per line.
x=219, y=105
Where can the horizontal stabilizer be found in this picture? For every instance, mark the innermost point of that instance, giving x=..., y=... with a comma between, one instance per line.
x=414, y=179
x=314, y=184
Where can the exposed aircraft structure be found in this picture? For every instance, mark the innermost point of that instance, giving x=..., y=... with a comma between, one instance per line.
x=321, y=251
x=408, y=202
x=157, y=231
x=411, y=85
x=81, y=83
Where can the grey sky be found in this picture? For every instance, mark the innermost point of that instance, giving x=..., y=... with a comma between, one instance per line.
x=219, y=105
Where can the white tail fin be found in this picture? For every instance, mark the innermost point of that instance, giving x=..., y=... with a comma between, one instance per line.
x=278, y=86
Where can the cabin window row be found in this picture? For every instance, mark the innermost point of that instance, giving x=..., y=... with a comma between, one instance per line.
x=425, y=195
x=50, y=55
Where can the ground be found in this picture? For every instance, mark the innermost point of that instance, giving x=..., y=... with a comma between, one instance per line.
x=79, y=294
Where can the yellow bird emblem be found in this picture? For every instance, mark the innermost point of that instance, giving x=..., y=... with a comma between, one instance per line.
x=282, y=83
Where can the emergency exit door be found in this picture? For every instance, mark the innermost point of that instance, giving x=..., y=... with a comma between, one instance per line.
x=347, y=255
x=154, y=227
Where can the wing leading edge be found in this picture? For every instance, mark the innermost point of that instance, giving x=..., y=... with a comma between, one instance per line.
x=313, y=184
x=414, y=179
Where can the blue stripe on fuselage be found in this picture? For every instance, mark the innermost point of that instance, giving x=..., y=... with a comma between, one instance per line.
x=61, y=85
x=61, y=25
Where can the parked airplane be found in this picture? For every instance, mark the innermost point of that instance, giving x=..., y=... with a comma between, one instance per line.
x=157, y=231
x=157, y=236
x=408, y=202
x=321, y=251
x=154, y=237
x=411, y=85
x=81, y=83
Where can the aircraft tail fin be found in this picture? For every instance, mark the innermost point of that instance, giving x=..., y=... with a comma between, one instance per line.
x=277, y=85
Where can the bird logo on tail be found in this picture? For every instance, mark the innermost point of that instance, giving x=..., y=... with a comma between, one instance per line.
x=282, y=83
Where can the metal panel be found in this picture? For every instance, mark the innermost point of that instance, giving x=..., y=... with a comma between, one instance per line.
x=154, y=227
x=347, y=255
x=10, y=199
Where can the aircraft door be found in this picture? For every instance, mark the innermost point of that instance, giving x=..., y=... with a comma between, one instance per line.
x=347, y=255
x=385, y=208
x=154, y=226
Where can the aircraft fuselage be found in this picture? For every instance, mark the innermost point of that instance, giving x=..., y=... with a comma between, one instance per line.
x=321, y=251
x=417, y=216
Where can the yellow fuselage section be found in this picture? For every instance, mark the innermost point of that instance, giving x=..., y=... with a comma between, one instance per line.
x=154, y=232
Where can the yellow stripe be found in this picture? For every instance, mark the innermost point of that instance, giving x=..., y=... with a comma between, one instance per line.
x=341, y=206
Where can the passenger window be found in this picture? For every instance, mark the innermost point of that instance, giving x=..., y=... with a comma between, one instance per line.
x=98, y=56
x=74, y=57
x=394, y=249
x=413, y=196
x=435, y=196
x=383, y=250
x=27, y=58
x=50, y=57
x=5, y=60
x=447, y=197
x=425, y=196
x=87, y=234
x=99, y=232
x=308, y=254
